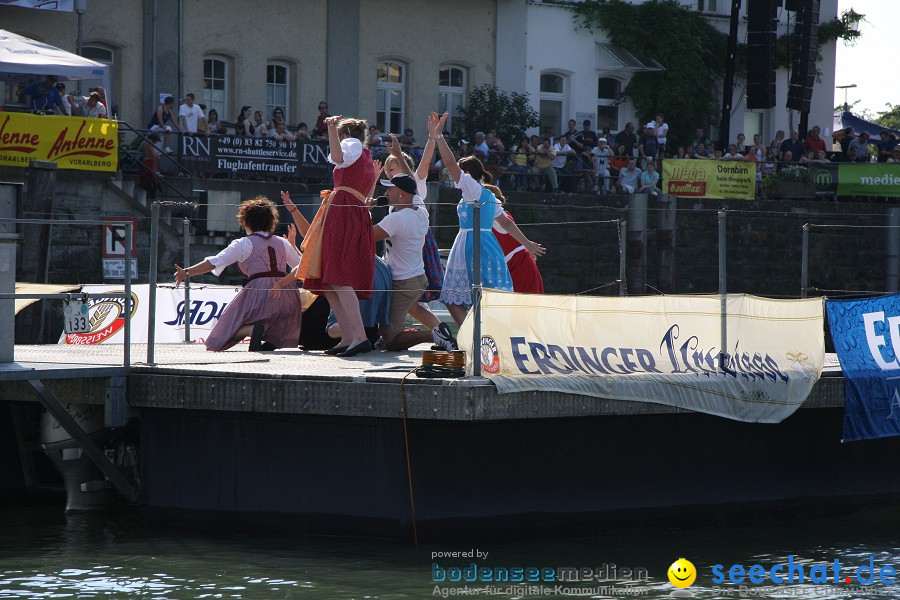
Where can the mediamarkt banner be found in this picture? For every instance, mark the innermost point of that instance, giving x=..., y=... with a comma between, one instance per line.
x=697, y=178
x=70, y=142
x=107, y=315
x=866, y=336
x=661, y=349
x=244, y=154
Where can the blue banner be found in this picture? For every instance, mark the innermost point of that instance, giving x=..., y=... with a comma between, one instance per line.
x=866, y=336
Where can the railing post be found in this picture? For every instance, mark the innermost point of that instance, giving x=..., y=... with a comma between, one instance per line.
x=623, y=233
x=476, y=290
x=804, y=262
x=129, y=235
x=154, y=251
x=892, y=250
x=186, y=234
x=723, y=297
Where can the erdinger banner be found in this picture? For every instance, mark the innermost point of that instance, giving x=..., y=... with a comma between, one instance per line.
x=661, y=349
x=866, y=336
x=107, y=315
x=696, y=178
x=70, y=142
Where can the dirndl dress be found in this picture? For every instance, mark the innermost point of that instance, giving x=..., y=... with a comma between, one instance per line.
x=270, y=258
x=522, y=267
x=457, y=288
x=348, y=240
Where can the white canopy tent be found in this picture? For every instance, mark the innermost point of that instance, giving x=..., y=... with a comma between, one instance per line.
x=23, y=59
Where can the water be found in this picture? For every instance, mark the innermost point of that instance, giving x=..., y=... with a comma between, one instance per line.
x=45, y=553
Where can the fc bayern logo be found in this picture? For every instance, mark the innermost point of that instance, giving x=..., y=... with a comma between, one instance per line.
x=490, y=358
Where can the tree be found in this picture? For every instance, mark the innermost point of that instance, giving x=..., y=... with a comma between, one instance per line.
x=692, y=51
x=891, y=117
x=510, y=113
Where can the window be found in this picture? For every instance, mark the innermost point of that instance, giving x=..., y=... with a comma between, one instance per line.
x=552, y=99
x=215, y=86
x=608, y=92
x=707, y=6
x=390, y=97
x=277, y=80
x=753, y=123
x=452, y=96
x=101, y=55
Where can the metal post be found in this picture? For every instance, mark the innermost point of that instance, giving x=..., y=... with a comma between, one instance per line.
x=9, y=237
x=636, y=239
x=892, y=250
x=623, y=232
x=804, y=262
x=154, y=251
x=129, y=234
x=723, y=307
x=186, y=234
x=476, y=290
x=80, y=6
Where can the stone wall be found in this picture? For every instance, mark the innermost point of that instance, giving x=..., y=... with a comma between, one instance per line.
x=763, y=238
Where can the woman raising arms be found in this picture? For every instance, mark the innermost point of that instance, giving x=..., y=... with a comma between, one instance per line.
x=469, y=175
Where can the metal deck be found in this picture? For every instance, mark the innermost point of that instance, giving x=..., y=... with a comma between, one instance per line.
x=187, y=376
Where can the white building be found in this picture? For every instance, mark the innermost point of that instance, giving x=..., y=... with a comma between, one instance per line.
x=573, y=73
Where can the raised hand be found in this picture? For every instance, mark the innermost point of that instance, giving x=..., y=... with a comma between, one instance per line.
x=291, y=235
x=434, y=129
x=333, y=120
x=286, y=200
x=394, y=147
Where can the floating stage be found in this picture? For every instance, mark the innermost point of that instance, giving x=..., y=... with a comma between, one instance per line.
x=298, y=440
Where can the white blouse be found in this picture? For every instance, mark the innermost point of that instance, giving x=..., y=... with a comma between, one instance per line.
x=240, y=250
x=352, y=149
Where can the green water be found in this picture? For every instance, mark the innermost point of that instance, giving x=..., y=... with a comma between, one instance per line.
x=45, y=553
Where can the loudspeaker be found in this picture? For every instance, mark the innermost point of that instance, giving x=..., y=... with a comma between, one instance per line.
x=806, y=49
x=762, y=23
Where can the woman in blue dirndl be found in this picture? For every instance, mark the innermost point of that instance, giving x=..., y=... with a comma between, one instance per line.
x=469, y=174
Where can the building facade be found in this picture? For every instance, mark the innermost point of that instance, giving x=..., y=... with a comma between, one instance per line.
x=391, y=62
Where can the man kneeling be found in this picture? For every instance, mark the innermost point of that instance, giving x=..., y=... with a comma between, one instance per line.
x=403, y=231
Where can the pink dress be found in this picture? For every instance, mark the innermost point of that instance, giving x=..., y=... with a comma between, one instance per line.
x=270, y=258
x=348, y=240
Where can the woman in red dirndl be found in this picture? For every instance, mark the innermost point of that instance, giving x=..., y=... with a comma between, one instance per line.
x=348, y=241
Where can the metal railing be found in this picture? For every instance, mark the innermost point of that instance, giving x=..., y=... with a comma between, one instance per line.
x=126, y=295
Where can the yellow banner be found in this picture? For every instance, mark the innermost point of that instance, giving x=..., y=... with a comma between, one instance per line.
x=701, y=178
x=663, y=349
x=70, y=142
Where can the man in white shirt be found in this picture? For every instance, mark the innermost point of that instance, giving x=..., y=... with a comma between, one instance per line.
x=403, y=231
x=190, y=115
x=91, y=107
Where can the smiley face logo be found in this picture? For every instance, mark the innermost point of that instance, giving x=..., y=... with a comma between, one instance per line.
x=682, y=573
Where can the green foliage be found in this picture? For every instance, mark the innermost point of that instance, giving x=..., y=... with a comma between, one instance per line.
x=789, y=173
x=682, y=40
x=890, y=117
x=510, y=113
x=842, y=28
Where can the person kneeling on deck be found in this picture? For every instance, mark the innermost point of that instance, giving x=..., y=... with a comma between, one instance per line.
x=264, y=258
x=403, y=231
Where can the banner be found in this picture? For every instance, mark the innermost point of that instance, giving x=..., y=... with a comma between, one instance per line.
x=661, y=349
x=71, y=142
x=63, y=5
x=699, y=178
x=244, y=154
x=869, y=179
x=107, y=314
x=866, y=336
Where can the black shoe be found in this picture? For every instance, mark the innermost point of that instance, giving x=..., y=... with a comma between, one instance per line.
x=336, y=350
x=442, y=337
x=361, y=348
x=256, y=341
x=267, y=347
